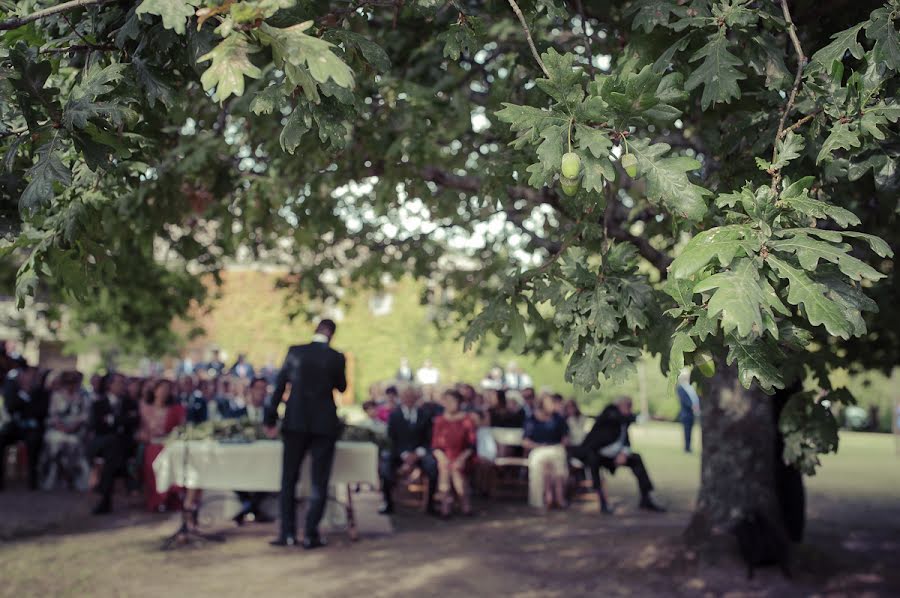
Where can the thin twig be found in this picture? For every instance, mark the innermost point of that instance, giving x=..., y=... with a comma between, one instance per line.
x=798, y=78
x=80, y=48
x=534, y=51
x=40, y=14
x=800, y=122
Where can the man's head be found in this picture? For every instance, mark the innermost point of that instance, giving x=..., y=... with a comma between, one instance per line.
x=241, y=358
x=624, y=405
x=528, y=396
x=409, y=396
x=114, y=384
x=327, y=328
x=257, y=392
x=371, y=408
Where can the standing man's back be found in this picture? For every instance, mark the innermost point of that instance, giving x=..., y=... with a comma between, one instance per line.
x=311, y=424
x=314, y=371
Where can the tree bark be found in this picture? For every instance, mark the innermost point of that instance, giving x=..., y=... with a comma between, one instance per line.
x=738, y=461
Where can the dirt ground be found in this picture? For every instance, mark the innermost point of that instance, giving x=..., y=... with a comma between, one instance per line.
x=49, y=546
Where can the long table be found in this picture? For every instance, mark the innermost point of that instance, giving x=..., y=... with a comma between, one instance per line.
x=256, y=467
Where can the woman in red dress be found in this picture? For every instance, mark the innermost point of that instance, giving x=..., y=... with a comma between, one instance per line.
x=159, y=416
x=453, y=443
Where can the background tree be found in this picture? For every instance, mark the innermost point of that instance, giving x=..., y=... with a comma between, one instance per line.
x=754, y=142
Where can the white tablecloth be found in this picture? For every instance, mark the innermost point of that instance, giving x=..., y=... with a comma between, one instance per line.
x=256, y=466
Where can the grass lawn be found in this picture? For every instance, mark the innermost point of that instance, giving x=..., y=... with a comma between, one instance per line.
x=852, y=545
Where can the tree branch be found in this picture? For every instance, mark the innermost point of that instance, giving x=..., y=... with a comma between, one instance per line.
x=801, y=63
x=40, y=14
x=534, y=51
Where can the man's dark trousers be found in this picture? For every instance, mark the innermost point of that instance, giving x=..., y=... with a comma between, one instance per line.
x=321, y=450
x=688, y=425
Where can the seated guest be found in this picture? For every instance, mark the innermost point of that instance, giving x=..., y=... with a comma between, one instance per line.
x=63, y=456
x=215, y=366
x=242, y=368
x=545, y=436
x=254, y=404
x=501, y=414
x=576, y=421
x=453, y=443
x=409, y=431
x=254, y=410
x=185, y=389
x=27, y=403
x=158, y=418
x=224, y=404
x=391, y=401
x=528, y=401
x=114, y=420
x=197, y=403
x=372, y=421
x=607, y=445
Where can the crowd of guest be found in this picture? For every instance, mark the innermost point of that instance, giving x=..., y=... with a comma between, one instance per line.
x=85, y=436
x=89, y=435
x=442, y=434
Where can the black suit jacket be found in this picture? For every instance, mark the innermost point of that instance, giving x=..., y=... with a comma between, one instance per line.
x=408, y=437
x=314, y=372
x=122, y=420
x=607, y=429
x=32, y=407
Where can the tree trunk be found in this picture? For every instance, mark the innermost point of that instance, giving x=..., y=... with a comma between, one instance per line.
x=737, y=470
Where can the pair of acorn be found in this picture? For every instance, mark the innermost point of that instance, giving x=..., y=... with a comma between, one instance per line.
x=570, y=170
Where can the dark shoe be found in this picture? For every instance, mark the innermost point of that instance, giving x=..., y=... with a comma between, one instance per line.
x=284, y=542
x=386, y=509
x=103, y=507
x=648, y=504
x=606, y=509
x=239, y=519
x=313, y=543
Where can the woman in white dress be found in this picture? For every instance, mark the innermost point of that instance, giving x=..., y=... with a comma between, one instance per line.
x=63, y=458
x=545, y=438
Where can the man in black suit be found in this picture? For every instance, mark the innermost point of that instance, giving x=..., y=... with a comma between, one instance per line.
x=607, y=445
x=409, y=431
x=27, y=404
x=311, y=425
x=114, y=420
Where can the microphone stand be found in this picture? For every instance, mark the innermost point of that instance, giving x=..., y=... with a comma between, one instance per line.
x=187, y=533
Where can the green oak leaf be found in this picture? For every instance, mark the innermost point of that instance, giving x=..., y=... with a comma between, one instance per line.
x=796, y=197
x=880, y=29
x=617, y=363
x=717, y=72
x=649, y=14
x=682, y=344
x=742, y=300
x=45, y=174
x=721, y=242
x=290, y=45
x=809, y=251
x=843, y=42
x=372, y=52
x=174, y=13
x=230, y=63
x=840, y=137
x=296, y=126
x=802, y=290
x=667, y=179
x=759, y=360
